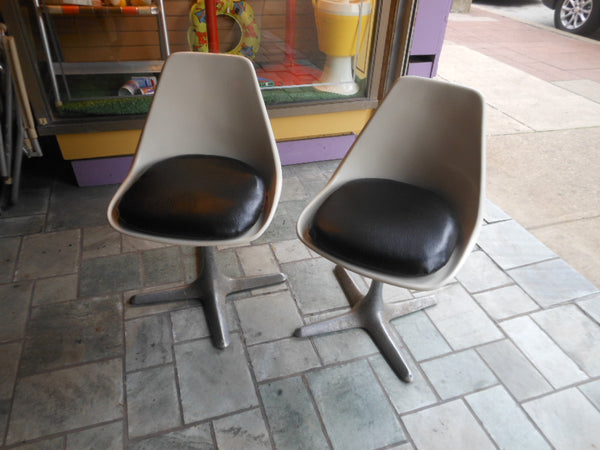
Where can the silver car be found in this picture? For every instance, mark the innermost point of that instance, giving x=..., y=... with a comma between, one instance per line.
x=575, y=16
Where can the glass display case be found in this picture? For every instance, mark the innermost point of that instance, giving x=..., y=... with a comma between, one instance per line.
x=91, y=66
x=85, y=57
x=96, y=61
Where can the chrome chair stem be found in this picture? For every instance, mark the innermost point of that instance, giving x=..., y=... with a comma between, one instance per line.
x=211, y=288
x=371, y=313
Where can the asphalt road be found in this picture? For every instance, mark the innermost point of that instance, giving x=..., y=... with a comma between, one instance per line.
x=532, y=11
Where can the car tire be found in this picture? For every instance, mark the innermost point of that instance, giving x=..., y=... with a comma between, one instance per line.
x=577, y=16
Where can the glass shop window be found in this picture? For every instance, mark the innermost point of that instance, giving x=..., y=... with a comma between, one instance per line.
x=103, y=57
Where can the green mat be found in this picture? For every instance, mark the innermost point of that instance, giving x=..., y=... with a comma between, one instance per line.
x=96, y=96
x=305, y=94
x=121, y=106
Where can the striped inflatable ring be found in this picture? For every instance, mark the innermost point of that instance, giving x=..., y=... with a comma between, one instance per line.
x=240, y=11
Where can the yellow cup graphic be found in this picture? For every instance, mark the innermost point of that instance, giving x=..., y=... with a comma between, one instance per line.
x=338, y=25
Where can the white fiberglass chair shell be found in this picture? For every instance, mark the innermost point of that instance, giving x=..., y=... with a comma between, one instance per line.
x=424, y=148
x=206, y=173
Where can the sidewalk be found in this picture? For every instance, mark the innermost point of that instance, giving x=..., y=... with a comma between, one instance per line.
x=542, y=87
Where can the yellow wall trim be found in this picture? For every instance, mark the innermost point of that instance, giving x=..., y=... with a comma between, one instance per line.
x=98, y=144
x=118, y=143
x=319, y=125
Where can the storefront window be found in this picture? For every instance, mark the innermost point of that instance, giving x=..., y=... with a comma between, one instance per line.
x=102, y=58
x=303, y=50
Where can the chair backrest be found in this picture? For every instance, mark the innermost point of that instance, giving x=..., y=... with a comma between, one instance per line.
x=430, y=134
x=211, y=104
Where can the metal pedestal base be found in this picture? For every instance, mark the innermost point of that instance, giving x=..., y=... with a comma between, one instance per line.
x=372, y=314
x=211, y=288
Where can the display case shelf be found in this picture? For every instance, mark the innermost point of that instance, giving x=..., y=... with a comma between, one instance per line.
x=70, y=9
x=87, y=68
x=57, y=65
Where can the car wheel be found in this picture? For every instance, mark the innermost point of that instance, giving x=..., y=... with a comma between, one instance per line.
x=577, y=16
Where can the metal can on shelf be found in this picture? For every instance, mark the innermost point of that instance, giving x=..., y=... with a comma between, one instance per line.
x=129, y=88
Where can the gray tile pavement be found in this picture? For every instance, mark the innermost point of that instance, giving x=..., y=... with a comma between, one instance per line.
x=514, y=337
x=447, y=425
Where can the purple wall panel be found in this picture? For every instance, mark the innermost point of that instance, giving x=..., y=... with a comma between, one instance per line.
x=94, y=172
x=420, y=69
x=430, y=26
x=319, y=149
x=429, y=32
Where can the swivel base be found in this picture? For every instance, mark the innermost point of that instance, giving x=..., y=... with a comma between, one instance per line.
x=211, y=288
x=371, y=313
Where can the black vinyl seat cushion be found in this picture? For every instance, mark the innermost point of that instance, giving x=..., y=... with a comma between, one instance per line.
x=387, y=226
x=194, y=197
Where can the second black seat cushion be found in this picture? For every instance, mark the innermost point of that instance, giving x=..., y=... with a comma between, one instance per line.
x=388, y=226
x=194, y=197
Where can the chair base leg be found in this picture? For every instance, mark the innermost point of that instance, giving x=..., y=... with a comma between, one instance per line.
x=371, y=313
x=211, y=289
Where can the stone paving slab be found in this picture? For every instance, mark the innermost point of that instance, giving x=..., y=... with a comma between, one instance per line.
x=66, y=399
x=507, y=424
x=567, y=419
x=448, y=425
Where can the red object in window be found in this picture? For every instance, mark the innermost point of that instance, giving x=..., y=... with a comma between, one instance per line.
x=211, y=25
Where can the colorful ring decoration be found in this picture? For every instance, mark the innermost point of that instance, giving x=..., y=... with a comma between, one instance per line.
x=240, y=11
